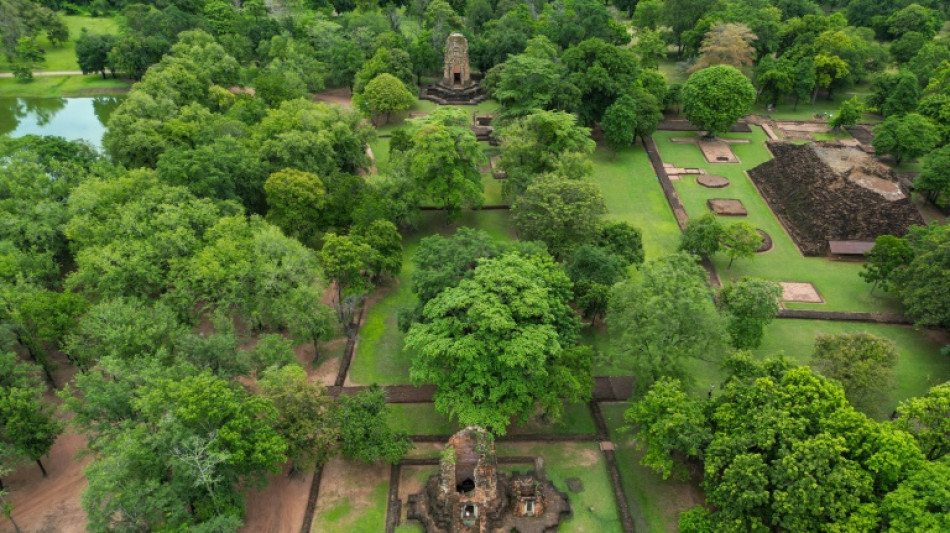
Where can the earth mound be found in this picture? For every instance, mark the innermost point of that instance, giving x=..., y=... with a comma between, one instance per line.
x=829, y=191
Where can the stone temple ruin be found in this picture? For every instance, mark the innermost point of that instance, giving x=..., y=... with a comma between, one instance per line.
x=456, y=86
x=469, y=495
x=830, y=191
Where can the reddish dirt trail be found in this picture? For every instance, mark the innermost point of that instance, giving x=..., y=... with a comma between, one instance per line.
x=280, y=506
x=50, y=504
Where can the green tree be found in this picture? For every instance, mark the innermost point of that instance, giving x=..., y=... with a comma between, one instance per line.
x=365, y=434
x=848, y=114
x=346, y=262
x=888, y=254
x=927, y=418
x=444, y=160
x=395, y=62
x=383, y=237
x=662, y=317
x=920, y=502
x=904, y=97
x=921, y=285
x=650, y=46
x=442, y=262
x=305, y=416
x=28, y=425
x=750, y=305
x=27, y=55
x=602, y=71
x=623, y=240
x=714, y=98
x=560, y=212
x=542, y=142
x=862, y=363
x=667, y=420
x=385, y=94
x=702, y=236
x=934, y=178
x=907, y=136
x=296, y=200
x=502, y=344
x=527, y=82
x=620, y=122
x=92, y=52
x=593, y=270
x=741, y=240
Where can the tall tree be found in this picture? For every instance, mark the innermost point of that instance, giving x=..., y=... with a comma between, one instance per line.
x=662, y=317
x=750, y=304
x=934, y=178
x=620, y=122
x=560, y=212
x=502, y=344
x=296, y=200
x=888, y=254
x=862, y=363
x=741, y=240
x=443, y=160
x=364, y=432
x=385, y=94
x=727, y=44
x=702, y=236
x=714, y=98
x=911, y=135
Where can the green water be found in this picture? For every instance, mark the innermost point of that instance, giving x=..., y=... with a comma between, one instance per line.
x=72, y=118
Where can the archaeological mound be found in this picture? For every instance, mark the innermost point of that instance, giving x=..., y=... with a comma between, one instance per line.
x=828, y=191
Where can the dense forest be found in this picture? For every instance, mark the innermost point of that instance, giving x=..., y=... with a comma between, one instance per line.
x=155, y=294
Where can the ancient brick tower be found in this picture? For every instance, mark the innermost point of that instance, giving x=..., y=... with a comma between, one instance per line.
x=468, y=495
x=456, y=70
x=456, y=86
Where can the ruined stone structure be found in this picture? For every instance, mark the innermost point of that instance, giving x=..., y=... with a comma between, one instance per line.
x=469, y=495
x=831, y=191
x=457, y=85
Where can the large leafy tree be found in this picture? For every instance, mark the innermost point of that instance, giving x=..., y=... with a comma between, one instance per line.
x=346, y=262
x=620, y=122
x=702, y=236
x=750, y=304
x=296, y=200
x=365, y=434
x=662, y=317
x=927, y=418
x=305, y=416
x=602, y=71
x=906, y=136
x=861, y=362
x=533, y=80
x=502, y=343
x=443, y=161
x=714, y=98
x=888, y=254
x=28, y=424
x=543, y=142
x=385, y=94
x=560, y=212
x=741, y=240
x=922, y=284
x=934, y=178
x=785, y=450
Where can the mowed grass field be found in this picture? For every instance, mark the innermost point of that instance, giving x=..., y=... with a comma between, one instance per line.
x=61, y=86
x=836, y=281
x=63, y=57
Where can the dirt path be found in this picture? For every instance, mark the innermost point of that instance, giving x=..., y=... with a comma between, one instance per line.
x=47, y=73
x=50, y=503
x=280, y=506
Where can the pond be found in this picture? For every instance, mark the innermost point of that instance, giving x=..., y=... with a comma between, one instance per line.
x=71, y=118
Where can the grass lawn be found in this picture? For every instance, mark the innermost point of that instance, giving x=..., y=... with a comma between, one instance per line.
x=655, y=503
x=64, y=57
x=584, y=461
x=837, y=281
x=61, y=86
x=422, y=419
x=919, y=367
x=633, y=194
x=352, y=498
x=379, y=357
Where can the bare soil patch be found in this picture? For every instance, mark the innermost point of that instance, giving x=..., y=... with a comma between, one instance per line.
x=766, y=242
x=50, y=504
x=800, y=292
x=712, y=181
x=280, y=506
x=342, y=97
x=730, y=207
x=715, y=150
